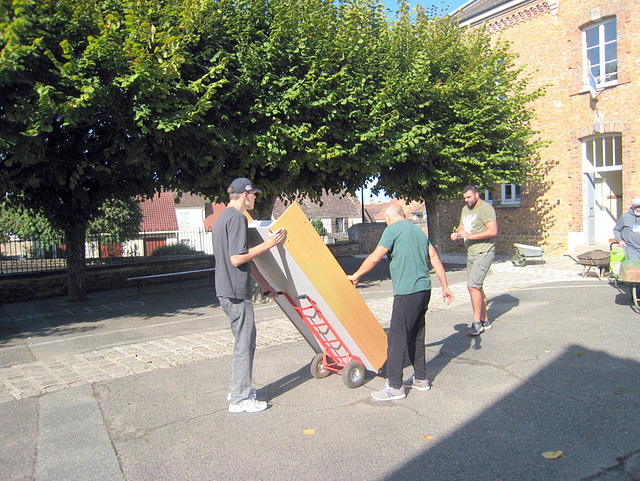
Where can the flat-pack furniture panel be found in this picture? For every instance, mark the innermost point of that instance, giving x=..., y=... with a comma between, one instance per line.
x=303, y=266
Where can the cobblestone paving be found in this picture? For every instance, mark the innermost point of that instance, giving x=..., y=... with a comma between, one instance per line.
x=41, y=377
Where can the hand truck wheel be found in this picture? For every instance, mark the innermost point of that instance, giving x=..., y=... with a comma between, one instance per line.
x=317, y=368
x=353, y=374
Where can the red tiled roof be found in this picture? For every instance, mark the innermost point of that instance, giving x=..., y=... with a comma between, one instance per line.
x=376, y=210
x=159, y=214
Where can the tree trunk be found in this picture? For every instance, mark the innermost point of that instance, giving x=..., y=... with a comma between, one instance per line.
x=263, y=208
x=76, y=262
x=433, y=225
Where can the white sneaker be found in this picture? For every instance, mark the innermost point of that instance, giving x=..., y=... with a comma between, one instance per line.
x=389, y=394
x=249, y=405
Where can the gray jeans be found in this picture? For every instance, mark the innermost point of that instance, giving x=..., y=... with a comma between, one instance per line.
x=243, y=326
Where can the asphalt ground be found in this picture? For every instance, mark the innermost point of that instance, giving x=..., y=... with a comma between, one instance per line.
x=133, y=386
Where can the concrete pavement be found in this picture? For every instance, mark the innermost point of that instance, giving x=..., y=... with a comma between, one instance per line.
x=132, y=386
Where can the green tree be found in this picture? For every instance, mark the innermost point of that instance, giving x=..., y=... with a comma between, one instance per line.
x=25, y=224
x=299, y=88
x=117, y=220
x=87, y=90
x=319, y=226
x=459, y=112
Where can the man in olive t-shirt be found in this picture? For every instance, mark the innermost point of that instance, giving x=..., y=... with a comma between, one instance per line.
x=478, y=227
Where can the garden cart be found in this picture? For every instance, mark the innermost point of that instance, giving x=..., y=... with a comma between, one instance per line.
x=599, y=260
x=630, y=275
x=525, y=252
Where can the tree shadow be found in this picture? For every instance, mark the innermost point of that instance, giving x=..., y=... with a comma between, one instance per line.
x=56, y=316
x=451, y=347
x=571, y=405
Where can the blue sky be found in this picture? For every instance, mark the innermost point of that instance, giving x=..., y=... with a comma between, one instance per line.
x=448, y=5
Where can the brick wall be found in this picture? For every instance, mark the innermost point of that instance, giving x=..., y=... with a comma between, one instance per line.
x=547, y=36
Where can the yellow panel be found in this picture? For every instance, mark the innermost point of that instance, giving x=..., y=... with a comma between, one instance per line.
x=323, y=271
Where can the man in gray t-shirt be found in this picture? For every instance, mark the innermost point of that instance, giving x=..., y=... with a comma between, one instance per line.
x=234, y=270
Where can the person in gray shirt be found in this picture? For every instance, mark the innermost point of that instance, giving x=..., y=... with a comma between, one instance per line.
x=234, y=270
x=627, y=230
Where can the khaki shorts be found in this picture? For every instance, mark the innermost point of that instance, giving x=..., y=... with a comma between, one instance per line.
x=477, y=268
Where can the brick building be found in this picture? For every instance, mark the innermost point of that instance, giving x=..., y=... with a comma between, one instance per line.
x=587, y=53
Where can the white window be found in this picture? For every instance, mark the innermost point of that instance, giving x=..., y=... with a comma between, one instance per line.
x=339, y=225
x=184, y=218
x=510, y=194
x=600, y=42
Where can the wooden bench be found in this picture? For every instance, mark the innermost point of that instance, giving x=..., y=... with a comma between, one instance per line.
x=140, y=280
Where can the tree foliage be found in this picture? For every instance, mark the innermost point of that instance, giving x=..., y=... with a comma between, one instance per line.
x=298, y=92
x=84, y=85
x=108, y=99
x=458, y=111
x=319, y=226
x=119, y=220
x=25, y=224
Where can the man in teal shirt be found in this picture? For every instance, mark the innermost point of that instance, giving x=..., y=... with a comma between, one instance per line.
x=410, y=252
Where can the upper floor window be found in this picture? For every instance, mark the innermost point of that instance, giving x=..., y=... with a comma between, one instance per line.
x=184, y=218
x=600, y=43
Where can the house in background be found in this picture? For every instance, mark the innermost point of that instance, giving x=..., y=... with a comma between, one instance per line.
x=415, y=211
x=170, y=219
x=586, y=53
x=374, y=212
x=159, y=226
x=196, y=217
x=338, y=212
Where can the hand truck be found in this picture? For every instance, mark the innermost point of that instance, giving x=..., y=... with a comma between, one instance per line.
x=335, y=355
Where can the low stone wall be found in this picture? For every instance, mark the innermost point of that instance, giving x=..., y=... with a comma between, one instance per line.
x=25, y=287
x=366, y=236
x=344, y=249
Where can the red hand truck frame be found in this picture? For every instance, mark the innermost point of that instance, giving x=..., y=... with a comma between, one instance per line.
x=335, y=355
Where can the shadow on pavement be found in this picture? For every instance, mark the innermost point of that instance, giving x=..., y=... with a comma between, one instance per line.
x=57, y=316
x=498, y=306
x=286, y=383
x=451, y=347
x=576, y=405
